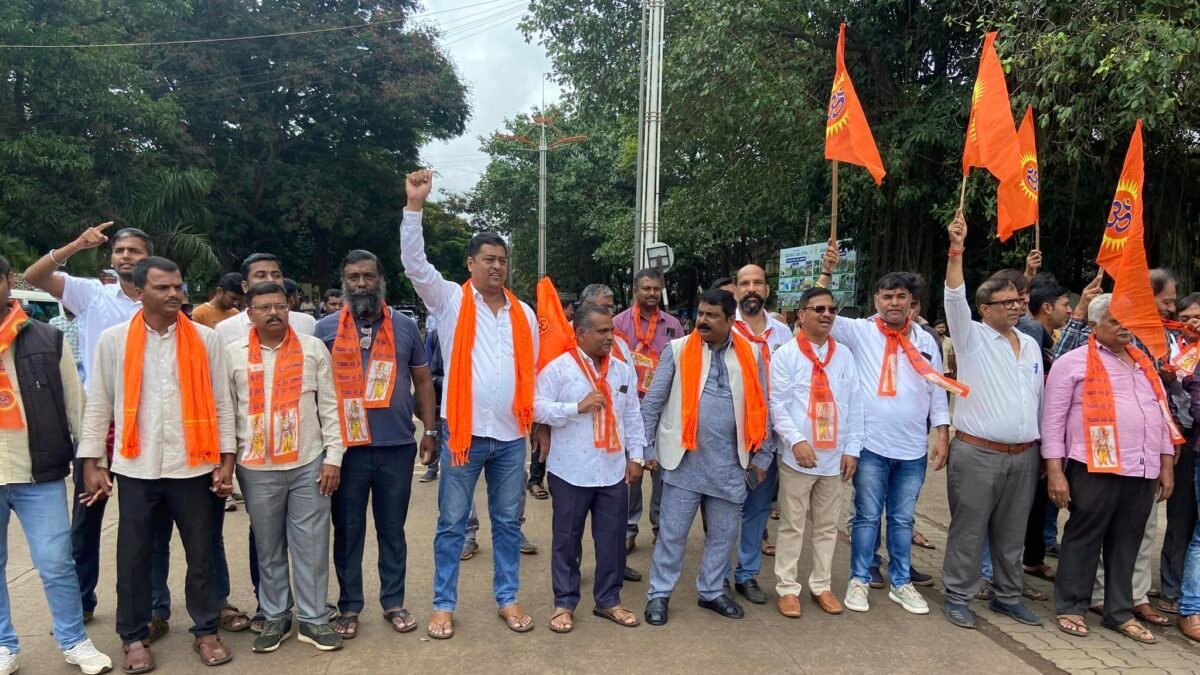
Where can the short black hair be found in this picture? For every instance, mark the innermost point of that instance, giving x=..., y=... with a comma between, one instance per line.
x=127, y=232
x=231, y=283
x=723, y=281
x=254, y=258
x=991, y=287
x=332, y=293
x=291, y=287
x=1187, y=301
x=142, y=270
x=359, y=255
x=5, y=268
x=898, y=281
x=1160, y=277
x=720, y=298
x=1044, y=290
x=485, y=239
x=813, y=292
x=1015, y=277
x=647, y=273
x=264, y=288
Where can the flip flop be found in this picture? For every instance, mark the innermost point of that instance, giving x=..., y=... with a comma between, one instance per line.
x=514, y=611
x=446, y=626
x=348, y=624
x=611, y=615
x=919, y=539
x=560, y=611
x=1033, y=593
x=1072, y=624
x=404, y=615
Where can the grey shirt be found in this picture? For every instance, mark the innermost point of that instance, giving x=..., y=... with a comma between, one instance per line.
x=714, y=468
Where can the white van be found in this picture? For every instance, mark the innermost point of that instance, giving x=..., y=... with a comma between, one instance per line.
x=38, y=304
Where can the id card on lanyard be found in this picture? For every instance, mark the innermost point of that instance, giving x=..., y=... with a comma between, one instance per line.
x=644, y=364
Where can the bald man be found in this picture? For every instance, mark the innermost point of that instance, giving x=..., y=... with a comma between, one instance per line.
x=754, y=323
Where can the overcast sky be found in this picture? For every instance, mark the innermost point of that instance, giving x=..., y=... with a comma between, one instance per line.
x=503, y=74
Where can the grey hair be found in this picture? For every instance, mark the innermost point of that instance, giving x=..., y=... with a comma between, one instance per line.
x=1098, y=307
x=585, y=312
x=593, y=292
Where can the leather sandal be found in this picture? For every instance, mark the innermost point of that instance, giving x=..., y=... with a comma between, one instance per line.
x=1148, y=614
x=564, y=626
x=441, y=625
x=618, y=615
x=138, y=657
x=212, y=652
x=516, y=618
x=407, y=623
x=1135, y=631
x=233, y=619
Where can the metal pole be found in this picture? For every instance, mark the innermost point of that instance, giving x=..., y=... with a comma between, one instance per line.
x=641, y=149
x=653, y=137
x=542, y=202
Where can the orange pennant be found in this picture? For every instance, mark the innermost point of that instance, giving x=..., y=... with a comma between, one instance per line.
x=847, y=135
x=555, y=334
x=991, y=132
x=1123, y=255
x=1017, y=198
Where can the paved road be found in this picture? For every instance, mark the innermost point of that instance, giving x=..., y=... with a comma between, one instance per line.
x=885, y=639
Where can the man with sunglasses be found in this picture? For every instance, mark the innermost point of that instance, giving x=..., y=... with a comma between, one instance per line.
x=994, y=459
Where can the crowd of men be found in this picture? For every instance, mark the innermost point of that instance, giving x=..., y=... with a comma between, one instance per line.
x=1052, y=407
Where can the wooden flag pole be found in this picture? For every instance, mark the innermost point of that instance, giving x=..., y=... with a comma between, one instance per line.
x=962, y=194
x=833, y=214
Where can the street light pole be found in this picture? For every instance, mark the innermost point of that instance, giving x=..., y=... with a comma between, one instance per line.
x=542, y=203
x=653, y=127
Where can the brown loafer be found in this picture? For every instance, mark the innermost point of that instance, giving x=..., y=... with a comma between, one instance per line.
x=1190, y=626
x=212, y=652
x=138, y=657
x=789, y=606
x=827, y=602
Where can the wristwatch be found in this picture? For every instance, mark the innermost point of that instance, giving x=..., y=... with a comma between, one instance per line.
x=431, y=433
x=639, y=462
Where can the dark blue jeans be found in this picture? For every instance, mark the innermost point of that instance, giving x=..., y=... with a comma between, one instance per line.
x=385, y=474
x=896, y=483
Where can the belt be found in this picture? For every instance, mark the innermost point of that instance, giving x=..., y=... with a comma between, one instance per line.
x=1010, y=448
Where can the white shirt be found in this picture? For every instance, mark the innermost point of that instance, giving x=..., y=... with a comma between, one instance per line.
x=791, y=386
x=898, y=424
x=237, y=327
x=160, y=409
x=97, y=308
x=1005, y=403
x=493, y=375
x=574, y=456
x=320, y=427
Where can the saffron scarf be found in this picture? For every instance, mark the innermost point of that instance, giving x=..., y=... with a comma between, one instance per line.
x=1188, y=358
x=459, y=396
x=605, y=434
x=822, y=407
x=200, y=434
x=1100, y=411
x=281, y=427
x=10, y=413
x=764, y=347
x=691, y=360
x=356, y=394
x=645, y=356
x=897, y=341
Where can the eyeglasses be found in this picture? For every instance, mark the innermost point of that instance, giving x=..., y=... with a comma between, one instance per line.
x=1013, y=303
x=823, y=309
x=268, y=309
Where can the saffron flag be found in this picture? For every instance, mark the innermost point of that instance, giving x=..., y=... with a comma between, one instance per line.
x=1123, y=255
x=1017, y=205
x=556, y=336
x=991, y=132
x=847, y=135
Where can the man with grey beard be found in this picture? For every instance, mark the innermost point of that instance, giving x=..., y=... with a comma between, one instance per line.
x=378, y=362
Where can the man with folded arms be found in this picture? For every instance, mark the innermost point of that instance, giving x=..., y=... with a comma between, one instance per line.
x=159, y=376
x=994, y=462
x=589, y=401
x=1109, y=449
x=290, y=453
x=489, y=339
x=707, y=411
x=816, y=408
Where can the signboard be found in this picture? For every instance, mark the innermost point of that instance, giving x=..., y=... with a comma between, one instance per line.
x=800, y=266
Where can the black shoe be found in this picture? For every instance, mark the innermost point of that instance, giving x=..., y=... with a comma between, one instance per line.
x=752, y=592
x=917, y=578
x=632, y=574
x=429, y=476
x=723, y=605
x=876, y=577
x=1017, y=611
x=1052, y=550
x=656, y=611
x=273, y=634
x=959, y=614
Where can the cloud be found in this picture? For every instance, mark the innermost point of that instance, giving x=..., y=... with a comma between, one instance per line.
x=505, y=76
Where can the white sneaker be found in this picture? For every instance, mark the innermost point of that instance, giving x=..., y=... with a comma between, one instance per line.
x=90, y=660
x=908, y=598
x=8, y=661
x=856, y=596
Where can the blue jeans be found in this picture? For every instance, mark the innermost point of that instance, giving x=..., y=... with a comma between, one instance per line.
x=42, y=509
x=1189, y=603
x=986, y=567
x=755, y=511
x=896, y=484
x=503, y=465
x=1050, y=531
x=160, y=562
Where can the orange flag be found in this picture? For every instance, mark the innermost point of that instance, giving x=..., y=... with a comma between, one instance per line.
x=1018, y=197
x=556, y=336
x=991, y=132
x=847, y=135
x=1123, y=255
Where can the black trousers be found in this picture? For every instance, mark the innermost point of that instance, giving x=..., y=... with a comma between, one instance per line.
x=609, y=507
x=1109, y=512
x=1181, y=520
x=1035, y=539
x=537, y=468
x=189, y=504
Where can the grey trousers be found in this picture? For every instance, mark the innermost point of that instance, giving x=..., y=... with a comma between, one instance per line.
x=635, y=503
x=679, y=508
x=289, y=515
x=990, y=495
